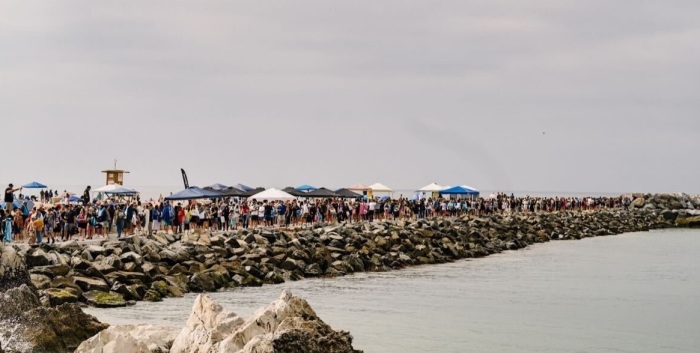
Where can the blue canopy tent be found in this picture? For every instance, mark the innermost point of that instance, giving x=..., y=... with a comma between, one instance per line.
x=34, y=185
x=459, y=190
x=194, y=193
x=243, y=187
x=306, y=188
x=74, y=198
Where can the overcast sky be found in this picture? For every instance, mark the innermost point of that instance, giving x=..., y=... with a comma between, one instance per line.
x=595, y=95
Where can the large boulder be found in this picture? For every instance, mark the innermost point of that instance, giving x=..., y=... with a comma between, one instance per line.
x=28, y=327
x=287, y=325
x=130, y=339
x=13, y=271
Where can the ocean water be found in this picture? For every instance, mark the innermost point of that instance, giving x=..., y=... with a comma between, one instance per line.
x=637, y=292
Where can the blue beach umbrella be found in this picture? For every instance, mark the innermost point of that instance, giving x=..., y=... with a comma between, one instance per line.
x=34, y=185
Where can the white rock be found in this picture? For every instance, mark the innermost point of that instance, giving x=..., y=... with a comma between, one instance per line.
x=207, y=326
x=130, y=339
x=265, y=322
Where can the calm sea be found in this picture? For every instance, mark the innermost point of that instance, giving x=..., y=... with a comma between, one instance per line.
x=637, y=292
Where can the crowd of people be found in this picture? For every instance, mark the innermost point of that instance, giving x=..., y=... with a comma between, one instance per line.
x=97, y=218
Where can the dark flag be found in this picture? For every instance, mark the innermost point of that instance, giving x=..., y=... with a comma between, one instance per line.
x=184, y=179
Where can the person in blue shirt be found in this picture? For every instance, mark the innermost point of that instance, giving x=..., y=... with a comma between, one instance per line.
x=155, y=219
x=25, y=210
x=167, y=216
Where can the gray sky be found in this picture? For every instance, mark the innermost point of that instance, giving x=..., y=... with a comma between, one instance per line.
x=407, y=92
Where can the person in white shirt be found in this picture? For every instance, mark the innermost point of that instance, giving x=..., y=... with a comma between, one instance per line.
x=372, y=207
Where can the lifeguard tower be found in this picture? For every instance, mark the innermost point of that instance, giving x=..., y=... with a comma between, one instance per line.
x=115, y=176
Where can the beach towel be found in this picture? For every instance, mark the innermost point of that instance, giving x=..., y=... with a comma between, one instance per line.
x=8, y=230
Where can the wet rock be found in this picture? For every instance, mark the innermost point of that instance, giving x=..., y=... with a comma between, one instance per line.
x=152, y=296
x=25, y=325
x=202, y=282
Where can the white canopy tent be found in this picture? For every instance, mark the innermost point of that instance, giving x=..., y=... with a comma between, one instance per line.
x=107, y=188
x=379, y=187
x=434, y=187
x=272, y=195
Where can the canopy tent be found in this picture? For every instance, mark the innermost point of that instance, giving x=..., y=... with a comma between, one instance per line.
x=294, y=192
x=306, y=188
x=243, y=187
x=416, y=196
x=106, y=188
x=251, y=192
x=346, y=193
x=321, y=193
x=470, y=188
x=433, y=187
x=273, y=195
x=122, y=192
x=232, y=192
x=34, y=185
x=359, y=187
x=194, y=193
x=216, y=187
x=379, y=187
x=459, y=190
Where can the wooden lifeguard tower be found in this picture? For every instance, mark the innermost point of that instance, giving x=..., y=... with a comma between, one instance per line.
x=115, y=176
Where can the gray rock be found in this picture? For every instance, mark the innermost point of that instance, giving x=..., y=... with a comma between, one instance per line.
x=91, y=284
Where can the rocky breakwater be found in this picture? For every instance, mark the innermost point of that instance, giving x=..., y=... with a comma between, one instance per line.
x=27, y=326
x=288, y=325
x=681, y=209
x=118, y=273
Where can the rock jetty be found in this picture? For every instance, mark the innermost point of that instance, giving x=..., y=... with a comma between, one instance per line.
x=288, y=325
x=118, y=273
x=27, y=326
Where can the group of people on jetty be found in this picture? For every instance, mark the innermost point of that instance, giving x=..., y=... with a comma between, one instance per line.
x=90, y=218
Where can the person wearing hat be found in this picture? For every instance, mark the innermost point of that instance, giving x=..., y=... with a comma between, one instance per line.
x=10, y=197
